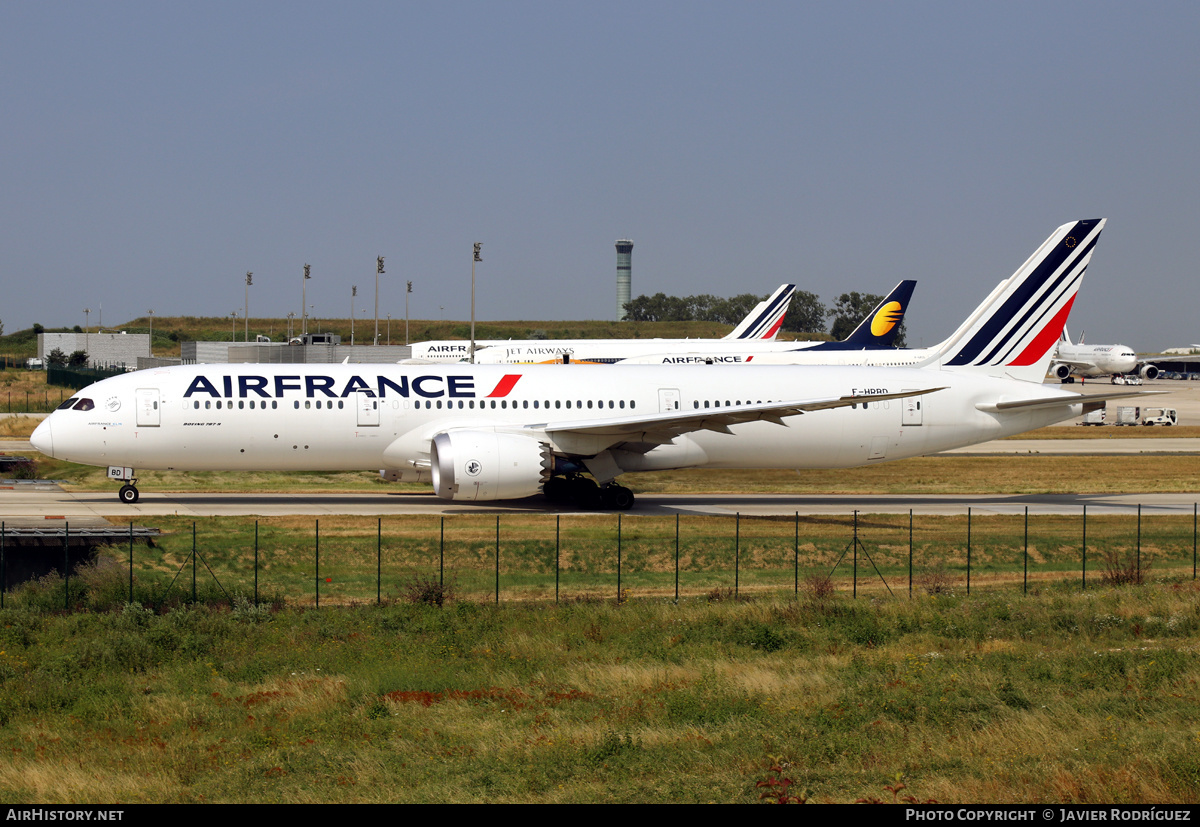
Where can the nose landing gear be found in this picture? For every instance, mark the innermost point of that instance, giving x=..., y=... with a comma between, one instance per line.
x=128, y=493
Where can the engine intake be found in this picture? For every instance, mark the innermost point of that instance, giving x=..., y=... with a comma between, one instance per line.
x=479, y=465
x=1149, y=372
x=1061, y=371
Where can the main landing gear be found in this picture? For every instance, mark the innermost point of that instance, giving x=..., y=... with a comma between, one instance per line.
x=585, y=494
x=128, y=494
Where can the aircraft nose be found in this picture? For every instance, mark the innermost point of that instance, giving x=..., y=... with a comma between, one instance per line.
x=42, y=438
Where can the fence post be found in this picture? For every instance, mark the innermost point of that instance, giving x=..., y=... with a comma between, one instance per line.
x=442, y=555
x=3, y=570
x=910, y=554
x=379, y=562
x=1139, y=545
x=737, y=550
x=193, y=562
x=66, y=568
x=1085, y=548
x=796, y=558
x=557, y=551
x=256, y=563
x=131, y=560
x=677, y=558
x=968, y=550
x=1025, y=579
x=854, y=587
x=317, y=563
x=497, y=559
x=618, y=558
x=1193, y=541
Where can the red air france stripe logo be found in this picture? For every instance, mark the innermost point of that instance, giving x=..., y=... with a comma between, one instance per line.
x=504, y=386
x=1046, y=339
x=770, y=334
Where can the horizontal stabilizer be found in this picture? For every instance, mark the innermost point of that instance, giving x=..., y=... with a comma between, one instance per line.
x=1057, y=401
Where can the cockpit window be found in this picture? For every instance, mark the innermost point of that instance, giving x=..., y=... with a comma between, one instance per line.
x=70, y=403
x=85, y=405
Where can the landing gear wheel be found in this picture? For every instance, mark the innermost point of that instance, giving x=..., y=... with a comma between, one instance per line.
x=617, y=497
x=557, y=490
x=586, y=494
x=128, y=494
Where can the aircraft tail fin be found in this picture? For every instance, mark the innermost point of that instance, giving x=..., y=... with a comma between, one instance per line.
x=878, y=329
x=1014, y=332
x=764, y=321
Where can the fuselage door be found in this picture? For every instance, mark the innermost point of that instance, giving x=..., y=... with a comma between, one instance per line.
x=147, y=404
x=668, y=400
x=368, y=409
x=912, y=410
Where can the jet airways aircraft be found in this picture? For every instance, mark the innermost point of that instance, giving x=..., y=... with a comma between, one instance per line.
x=487, y=432
x=761, y=323
x=1095, y=360
x=877, y=331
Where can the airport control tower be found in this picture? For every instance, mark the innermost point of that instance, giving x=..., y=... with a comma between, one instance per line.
x=624, y=275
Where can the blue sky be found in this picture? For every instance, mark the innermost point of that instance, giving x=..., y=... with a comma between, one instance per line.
x=155, y=152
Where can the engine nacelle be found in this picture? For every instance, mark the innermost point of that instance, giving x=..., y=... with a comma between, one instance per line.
x=480, y=465
x=1149, y=372
x=1060, y=371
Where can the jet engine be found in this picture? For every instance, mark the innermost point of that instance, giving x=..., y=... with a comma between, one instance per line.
x=479, y=465
x=1060, y=371
x=1149, y=372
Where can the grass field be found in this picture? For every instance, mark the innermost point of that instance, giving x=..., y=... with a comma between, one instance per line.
x=1060, y=696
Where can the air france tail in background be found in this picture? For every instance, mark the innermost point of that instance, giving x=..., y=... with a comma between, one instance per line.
x=764, y=321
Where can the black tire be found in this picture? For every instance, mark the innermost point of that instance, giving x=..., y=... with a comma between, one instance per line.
x=586, y=494
x=618, y=498
x=557, y=490
x=128, y=494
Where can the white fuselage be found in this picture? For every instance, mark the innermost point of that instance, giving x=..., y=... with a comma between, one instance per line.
x=345, y=417
x=1096, y=360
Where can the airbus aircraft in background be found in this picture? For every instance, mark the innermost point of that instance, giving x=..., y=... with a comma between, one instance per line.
x=877, y=331
x=1096, y=360
x=761, y=323
x=480, y=432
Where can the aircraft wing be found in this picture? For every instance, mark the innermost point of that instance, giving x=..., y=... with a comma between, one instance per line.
x=661, y=428
x=1078, y=364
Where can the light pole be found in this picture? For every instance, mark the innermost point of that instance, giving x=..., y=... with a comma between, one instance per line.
x=304, y=301
x=407, y=293
x=249, y=281
x=476, y=258
x=353, y=293
x=233, y=327
x=291, y=315
x=378, y=273
x=87, y=344
x=151, y=348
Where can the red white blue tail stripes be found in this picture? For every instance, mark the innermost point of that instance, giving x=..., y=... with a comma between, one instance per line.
x=765, y=320
x=1016, y=337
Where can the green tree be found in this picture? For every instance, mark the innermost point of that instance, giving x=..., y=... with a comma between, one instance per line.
x=56, y=358
x=78, y=359
x=806, y=314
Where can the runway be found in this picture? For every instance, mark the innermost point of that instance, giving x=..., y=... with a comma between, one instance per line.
x=46, y=506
